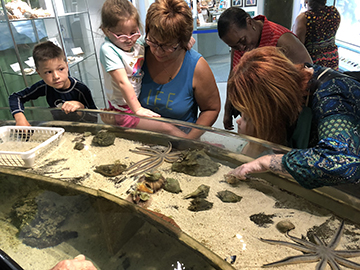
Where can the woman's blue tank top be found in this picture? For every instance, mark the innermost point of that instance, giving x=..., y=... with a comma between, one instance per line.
x=174, y=99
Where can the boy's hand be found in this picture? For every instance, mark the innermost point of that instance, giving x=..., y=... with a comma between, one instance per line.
x=72, y=106
x=21, y=120
x=146, y=112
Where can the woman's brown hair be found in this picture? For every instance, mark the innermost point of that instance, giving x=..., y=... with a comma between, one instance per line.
x=270, y=89
x=167, y=20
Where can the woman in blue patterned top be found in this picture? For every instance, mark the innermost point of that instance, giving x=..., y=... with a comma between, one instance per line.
x=272, y=93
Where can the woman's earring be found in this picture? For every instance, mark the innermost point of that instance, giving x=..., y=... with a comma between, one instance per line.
x=254, y=28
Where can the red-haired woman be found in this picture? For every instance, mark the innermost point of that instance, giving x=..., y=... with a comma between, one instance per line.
x=272, y=93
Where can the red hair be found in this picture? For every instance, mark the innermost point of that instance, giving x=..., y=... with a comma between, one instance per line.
x=270, y=89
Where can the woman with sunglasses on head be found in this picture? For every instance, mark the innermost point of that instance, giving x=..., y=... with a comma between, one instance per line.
x=122, y=56
x=177, y=81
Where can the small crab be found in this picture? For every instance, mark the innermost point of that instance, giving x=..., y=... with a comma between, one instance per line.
x=140, y=192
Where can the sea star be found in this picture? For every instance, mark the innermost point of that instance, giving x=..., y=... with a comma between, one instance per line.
x=155, y=159
x=322, y=252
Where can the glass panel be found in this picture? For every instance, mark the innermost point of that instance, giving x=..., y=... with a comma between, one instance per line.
x=76, y=31
x=25, y=25
x=25, y=34
x=79, y=47
x=208, y=43
x=116, y=234
x=349, y=30
x=348, y=41
x=11, y=80
x=74, y=5
x=61, y=222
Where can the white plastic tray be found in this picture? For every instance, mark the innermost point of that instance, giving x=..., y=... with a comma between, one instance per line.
x=21, y=145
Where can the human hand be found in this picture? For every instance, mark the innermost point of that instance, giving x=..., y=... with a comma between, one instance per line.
x=71, y=106
x=146, y=112
x=228, y=121
x=191, y=43
x=78, y=263
x=244, y=170
x=108, y=118
x=21, y=120
x=23, y=123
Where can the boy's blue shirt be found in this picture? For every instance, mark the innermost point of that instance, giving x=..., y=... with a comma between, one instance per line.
x=77, y=91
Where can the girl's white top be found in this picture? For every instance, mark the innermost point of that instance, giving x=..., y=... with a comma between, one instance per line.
x=112, y=58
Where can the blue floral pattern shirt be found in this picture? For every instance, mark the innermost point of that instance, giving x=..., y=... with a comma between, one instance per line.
x=335, y=157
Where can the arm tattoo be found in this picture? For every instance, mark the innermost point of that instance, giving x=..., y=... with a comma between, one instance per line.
x=276, y=164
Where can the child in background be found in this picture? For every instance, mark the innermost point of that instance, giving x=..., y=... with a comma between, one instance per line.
x=122, y=56
x=60, y=89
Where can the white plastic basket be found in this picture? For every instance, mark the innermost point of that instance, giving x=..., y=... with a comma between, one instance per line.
x=21, y=145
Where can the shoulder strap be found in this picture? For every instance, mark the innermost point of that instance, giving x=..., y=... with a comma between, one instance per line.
x=301, y=136
x=354, y=74
x=326, y=74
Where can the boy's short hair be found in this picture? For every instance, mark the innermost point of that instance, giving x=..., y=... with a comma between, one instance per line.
x=46, y=51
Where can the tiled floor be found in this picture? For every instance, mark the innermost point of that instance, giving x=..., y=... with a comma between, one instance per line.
x=222, y=91
x=220, y=66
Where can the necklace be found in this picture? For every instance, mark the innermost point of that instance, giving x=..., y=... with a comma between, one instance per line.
x=170, y=76
x=174, y=67
x=168, y=70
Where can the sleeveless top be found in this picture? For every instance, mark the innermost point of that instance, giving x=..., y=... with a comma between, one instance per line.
x=174, y=99
x=321, y=27
x=270, y=35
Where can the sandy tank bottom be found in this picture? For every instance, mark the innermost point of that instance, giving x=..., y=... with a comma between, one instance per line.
x=227, y=229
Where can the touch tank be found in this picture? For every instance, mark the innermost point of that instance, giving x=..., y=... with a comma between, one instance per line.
x=146, y=200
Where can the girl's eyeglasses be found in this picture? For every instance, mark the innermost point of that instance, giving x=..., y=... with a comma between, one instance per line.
x=165, y=48
x=124, y=38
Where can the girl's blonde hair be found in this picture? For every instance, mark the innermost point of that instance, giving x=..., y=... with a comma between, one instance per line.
x=270, y=89
x=167, y=20
x=114, y=11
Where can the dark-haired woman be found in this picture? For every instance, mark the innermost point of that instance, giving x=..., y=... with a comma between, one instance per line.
x=316, y=28
x=243, y=33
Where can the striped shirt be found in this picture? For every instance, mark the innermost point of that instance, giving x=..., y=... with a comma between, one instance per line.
x=270, y=35
x=54, y=97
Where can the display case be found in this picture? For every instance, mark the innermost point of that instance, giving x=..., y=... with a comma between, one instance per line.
x=66, y=23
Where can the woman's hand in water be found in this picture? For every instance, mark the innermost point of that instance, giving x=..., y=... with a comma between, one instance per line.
x=265, y=163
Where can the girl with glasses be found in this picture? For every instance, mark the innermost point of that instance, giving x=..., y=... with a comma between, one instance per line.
x=122, y=56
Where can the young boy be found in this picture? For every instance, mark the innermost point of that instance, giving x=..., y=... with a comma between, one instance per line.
x=60, y=89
